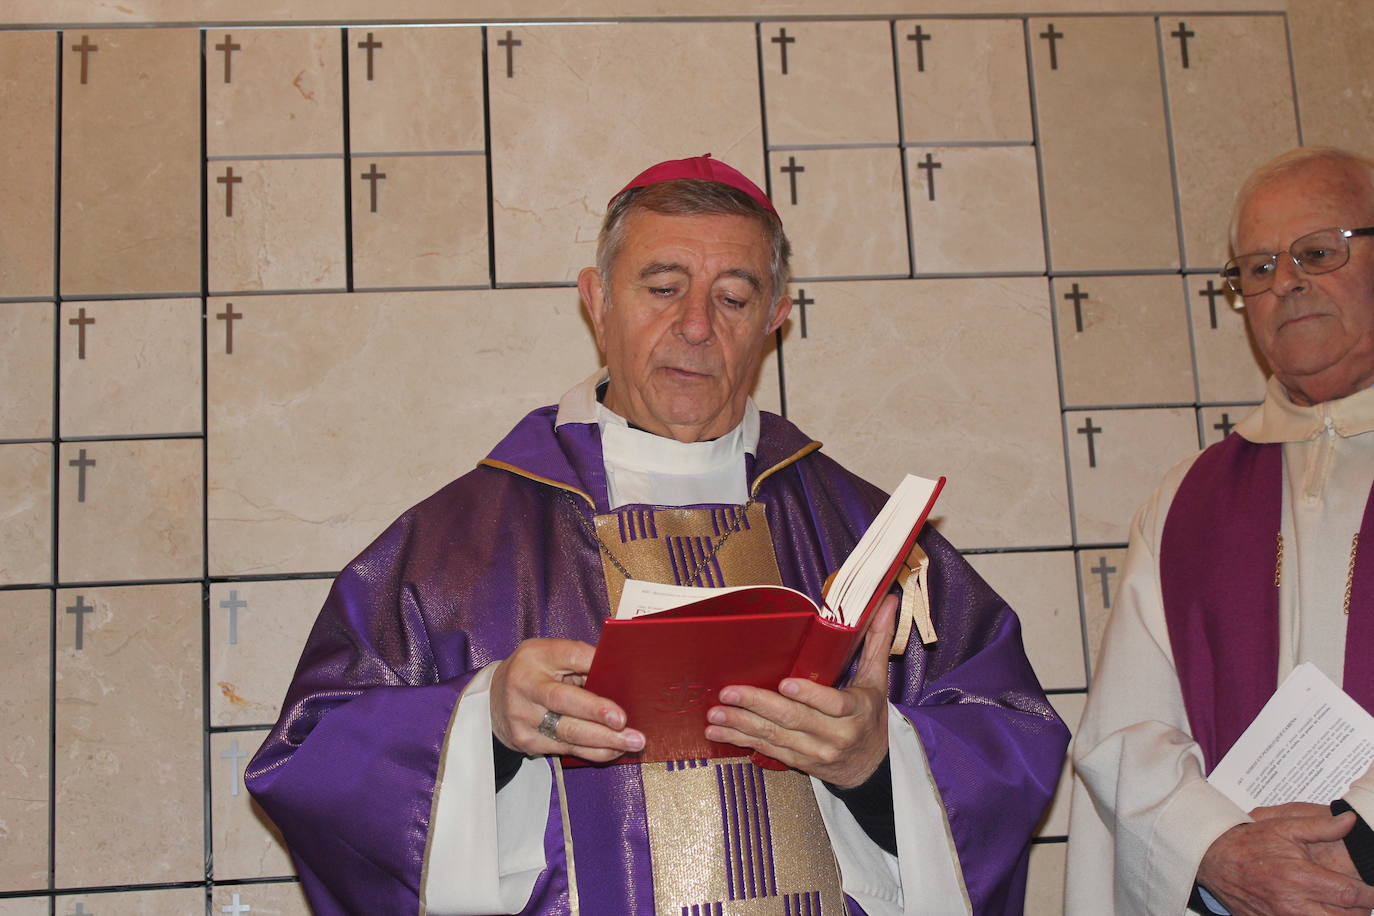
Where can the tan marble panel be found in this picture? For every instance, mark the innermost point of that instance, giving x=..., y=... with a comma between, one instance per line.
x=1217, y=421
x=180, y=901
x=1045, y=881
x=1108, y=189
x=25, y=513
x=424, y=92
x=282, y=93
x=1331, y=41
x=1235, y=69
x=1042, y=587
x=837, y=87
x=845, y=218
x=304, y=464
x=975, y=209
x=1131, y=450
x=952, y=377
x=141, y=517
x=1100, y=573
x=28, y=178
x=130, y=367
x=129, y=679
x=1056, y=819
x=131, y=162
x=283, y=228
x=423, y=224
x=26, y=368
x=24, y=906
x=1133, y=344
x=25, y=617
x=257, y=630
x=1229, y=368
x=974, y=86
x=283, y=899
x=586, y=108
x=246, y=843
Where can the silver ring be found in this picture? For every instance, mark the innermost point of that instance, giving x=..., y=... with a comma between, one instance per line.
x=548, y=726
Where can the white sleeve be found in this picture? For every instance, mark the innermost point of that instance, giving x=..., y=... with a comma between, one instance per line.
x=926, y=857
x=1143, y=814
x=465, y=872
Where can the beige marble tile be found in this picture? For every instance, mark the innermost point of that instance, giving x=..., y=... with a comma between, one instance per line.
x=419, y=221
x=1229, y=367
x=281, y=93
x=141, y=517
x=1108, y=189
x=422, y=93
x=276, y=225
x=26, y=511
x=179, y=901
x=1056, y=819
x=26, y=368
x=843, y=211
x=1116, y=458
x=559, y=150
x=837, y=85
x=282, y=899
x=131, y=162
x=1217, y=421
x=1331, y=41
x=246, y=843
x=130, y=367
x=129, y=679
x=975, y=209
x=1042, y=588
x=1123, y=341
x=304, y=464
x=28, y=182
x=952, y=377
x=1231, y=74
x=967, y=83
x=257, y=630
x=1045, y=881
x=26, y=618
x=24, y=906
x=1100, y=571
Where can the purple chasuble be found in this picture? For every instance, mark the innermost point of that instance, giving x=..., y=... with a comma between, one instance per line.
x=499, y=556
x=1217, y=562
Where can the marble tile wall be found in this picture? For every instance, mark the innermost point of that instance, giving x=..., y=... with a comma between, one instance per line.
x=263, y=287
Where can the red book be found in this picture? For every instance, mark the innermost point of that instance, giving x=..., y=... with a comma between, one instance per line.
x=669, y=650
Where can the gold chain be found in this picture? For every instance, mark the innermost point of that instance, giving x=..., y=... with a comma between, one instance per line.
x=1278, y=563
x=1350, y=576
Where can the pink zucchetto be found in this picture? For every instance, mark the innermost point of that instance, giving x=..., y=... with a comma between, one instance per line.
x=703, y=168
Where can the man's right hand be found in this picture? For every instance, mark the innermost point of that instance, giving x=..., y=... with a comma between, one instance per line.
x=1271, y=867
x=546, y=675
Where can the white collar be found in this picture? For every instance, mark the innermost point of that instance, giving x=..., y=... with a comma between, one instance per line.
x=1278, y=419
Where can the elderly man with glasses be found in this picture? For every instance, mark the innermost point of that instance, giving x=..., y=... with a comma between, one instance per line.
x=1251, y=558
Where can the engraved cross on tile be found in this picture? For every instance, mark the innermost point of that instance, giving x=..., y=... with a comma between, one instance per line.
x=510, y=43
x=234, y=754
x=1225, y=426
x=79, y=611
x=81, y=910
x=372, y=176
x=1052, y=35
x=235, y=908
x=782, y=40
x=792, y=170
x=229, y=316
x=229, y=179
x=1183, y=33
x=1212, y=291
x=920, y=36
x=1089, y=430
x=929, y=165
x=369, y=46
x=81, y=463
x=228, y=46
x=801, y=301
x=85, y=49
x=81, y=320
x=1103, y=572
x=233, y=605
x=1077, y=296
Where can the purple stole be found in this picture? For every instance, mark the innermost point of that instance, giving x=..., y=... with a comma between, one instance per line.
x=1217, y=562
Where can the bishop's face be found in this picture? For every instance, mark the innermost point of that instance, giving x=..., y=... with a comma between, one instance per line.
x=684, y=321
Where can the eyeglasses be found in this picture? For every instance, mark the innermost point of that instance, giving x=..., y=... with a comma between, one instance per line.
x=1317, y=252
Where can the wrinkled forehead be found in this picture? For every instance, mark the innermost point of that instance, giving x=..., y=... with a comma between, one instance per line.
x=721, y=237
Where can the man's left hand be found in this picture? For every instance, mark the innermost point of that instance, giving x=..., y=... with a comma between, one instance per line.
x=836, y=735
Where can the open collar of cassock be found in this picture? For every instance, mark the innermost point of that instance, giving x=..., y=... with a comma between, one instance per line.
x=1278, y=419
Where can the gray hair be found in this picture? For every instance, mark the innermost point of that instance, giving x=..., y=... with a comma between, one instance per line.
x=693, y=197
x=1287, y=163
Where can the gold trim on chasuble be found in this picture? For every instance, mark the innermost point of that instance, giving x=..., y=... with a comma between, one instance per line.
x=726, y=837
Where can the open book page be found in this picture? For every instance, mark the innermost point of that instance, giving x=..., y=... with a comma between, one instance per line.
x=640, y=598
x=1308, y=744
x=867, y=565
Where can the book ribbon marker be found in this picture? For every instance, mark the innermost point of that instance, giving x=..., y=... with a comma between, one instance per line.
x=915, y=609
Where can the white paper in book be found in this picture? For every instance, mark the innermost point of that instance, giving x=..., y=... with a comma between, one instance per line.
x=1308, y=744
